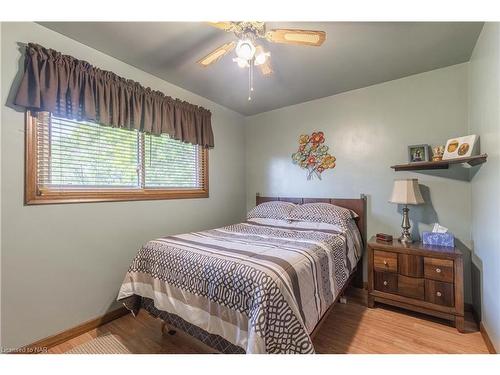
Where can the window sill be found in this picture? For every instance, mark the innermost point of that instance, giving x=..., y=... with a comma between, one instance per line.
x=116, y=195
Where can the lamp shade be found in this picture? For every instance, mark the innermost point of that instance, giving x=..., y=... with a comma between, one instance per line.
x=406, y=192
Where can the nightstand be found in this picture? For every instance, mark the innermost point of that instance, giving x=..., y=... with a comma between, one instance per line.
x=417, y=277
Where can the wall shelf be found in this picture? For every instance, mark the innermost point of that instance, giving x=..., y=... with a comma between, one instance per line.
x=442, y=164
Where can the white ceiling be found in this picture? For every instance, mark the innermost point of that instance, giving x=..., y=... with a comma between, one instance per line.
x=354, y=55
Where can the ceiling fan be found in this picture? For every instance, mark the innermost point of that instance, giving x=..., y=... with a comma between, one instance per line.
x=249, y=53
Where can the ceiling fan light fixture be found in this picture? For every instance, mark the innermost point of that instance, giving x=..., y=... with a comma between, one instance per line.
x=245, y=49
x=242, y=63
x=261, y=57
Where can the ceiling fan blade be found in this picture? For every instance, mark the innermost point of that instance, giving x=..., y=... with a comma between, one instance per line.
x=216, y=54
x=296, y=36
x=226, y=26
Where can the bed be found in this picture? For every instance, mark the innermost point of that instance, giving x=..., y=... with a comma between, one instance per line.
x=260, y=286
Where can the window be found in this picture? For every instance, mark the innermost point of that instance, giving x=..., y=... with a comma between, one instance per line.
x=77, y=161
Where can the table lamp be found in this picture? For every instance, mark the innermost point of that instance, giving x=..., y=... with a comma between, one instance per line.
x=406, y=191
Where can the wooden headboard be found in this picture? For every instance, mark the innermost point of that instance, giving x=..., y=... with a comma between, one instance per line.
x=358, y=205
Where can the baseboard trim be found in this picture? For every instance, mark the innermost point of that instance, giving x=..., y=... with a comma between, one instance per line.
x=487, y=339
x=42, y=345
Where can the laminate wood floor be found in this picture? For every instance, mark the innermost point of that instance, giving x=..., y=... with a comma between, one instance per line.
x=350, y=328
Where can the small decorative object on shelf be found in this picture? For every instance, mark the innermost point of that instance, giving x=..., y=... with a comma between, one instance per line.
x=437, y=153
x=313, y=155
x=461, y=147
x=418, y=153
x=406, y=192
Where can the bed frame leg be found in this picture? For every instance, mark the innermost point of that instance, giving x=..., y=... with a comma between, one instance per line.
x=167, y=328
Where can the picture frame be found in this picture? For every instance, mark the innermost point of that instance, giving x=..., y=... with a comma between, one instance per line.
x=461, y=147
x=418, y=153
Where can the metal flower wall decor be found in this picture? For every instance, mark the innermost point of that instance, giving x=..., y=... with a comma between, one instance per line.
x=313, y=155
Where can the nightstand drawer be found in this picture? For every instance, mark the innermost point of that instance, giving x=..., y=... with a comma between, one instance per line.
x=439, y=293
x=411, y=265
x=438, y=269
x=385, y=261
x=411, y=287
x=386, y=282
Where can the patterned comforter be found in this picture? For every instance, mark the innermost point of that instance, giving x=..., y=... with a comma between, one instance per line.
x=260, y=288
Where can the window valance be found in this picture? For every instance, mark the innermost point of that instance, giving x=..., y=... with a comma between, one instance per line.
x=74, y=89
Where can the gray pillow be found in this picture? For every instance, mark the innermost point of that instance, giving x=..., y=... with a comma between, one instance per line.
x=271, y=210
x=322, y=213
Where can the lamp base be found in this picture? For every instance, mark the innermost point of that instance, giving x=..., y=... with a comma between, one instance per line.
x=405, y=238
x=405, y=234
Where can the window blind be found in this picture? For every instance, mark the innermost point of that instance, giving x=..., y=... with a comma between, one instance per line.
x=84, y=155
x=170, y=163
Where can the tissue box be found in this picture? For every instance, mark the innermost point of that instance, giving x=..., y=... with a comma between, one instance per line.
x=438, y=239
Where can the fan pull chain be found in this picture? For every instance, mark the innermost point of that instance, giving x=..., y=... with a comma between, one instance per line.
x=249, y=83
x=251, y=67
x=250, y=79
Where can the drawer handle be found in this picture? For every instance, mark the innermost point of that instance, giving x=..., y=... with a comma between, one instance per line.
x=385, y=262
x=385, y=283
x=438, y=294
x=438, y=270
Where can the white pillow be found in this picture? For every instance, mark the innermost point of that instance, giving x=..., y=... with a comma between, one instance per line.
x=315, y=225
x=295, y=224
x=270, y=222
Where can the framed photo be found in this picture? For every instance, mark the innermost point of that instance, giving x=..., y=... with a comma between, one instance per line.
x=461, y=147
x=418, y=153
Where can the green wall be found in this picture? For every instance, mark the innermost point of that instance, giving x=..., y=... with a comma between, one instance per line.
x=484, y=114
x=63, y=264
